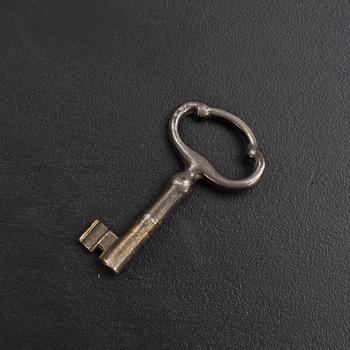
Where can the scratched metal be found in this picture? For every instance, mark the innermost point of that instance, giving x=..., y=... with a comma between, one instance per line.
x=116, y=252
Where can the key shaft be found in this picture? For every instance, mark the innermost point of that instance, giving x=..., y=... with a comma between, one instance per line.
x=179, y=188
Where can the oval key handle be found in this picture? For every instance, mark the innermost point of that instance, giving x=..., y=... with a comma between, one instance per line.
x=117, y=251
x=199, y=164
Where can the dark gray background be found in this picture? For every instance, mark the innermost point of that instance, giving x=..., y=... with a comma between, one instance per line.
x=87, y=88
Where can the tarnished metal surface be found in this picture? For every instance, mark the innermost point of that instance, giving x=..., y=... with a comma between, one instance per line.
x=118, y=251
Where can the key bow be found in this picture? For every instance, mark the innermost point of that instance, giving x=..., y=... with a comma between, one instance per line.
x=199, y=163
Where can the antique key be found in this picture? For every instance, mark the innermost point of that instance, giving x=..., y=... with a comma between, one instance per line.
x=117, y=251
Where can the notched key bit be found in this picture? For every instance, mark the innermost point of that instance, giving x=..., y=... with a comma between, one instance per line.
x=116, y=252
x=98, y=236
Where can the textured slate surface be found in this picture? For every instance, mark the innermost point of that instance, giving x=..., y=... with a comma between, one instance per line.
x=86, y=90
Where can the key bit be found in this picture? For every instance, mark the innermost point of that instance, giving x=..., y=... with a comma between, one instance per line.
x=98, y=236
x=116, y=252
